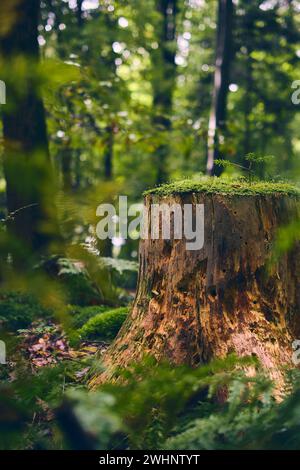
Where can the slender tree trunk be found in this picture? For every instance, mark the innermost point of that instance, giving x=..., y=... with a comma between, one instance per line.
x=217, y=120
x=27, y=164
x=164, y=79
x=77, y=170
x=109, y=152
x=79, y=13
x=66, y=166
x=106, y=246
x=67, y=152
x=248, y=110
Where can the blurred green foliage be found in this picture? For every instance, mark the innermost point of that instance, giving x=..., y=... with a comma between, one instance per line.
x=77, y=283
x=124, y=272
x=113, y=52
x=18, y=310
x=151, y=406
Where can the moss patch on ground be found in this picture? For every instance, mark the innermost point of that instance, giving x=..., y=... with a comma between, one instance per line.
x=226, y=186
x=104, y=326
x=81, y=315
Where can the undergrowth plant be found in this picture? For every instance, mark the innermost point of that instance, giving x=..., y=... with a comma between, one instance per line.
x=255, y=164
x=151, y=405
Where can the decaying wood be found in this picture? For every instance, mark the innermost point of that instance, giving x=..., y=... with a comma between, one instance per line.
x=192, y=306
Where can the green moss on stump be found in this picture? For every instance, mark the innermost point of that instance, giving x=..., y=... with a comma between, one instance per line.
x=225, y=186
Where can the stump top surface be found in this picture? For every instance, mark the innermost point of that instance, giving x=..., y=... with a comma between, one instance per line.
x=225, y=186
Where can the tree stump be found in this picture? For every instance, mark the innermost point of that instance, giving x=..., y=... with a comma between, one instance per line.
x=193, y=306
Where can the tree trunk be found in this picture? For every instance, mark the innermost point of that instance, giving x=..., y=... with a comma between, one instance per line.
x=109, y=152
x=163, y=81
x=248, y=105
x=79, y=13
x=217, y=120
x=66, y=167
x=26, y=161
x=193, y=306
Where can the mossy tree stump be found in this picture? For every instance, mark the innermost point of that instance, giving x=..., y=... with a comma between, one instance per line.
x=193, y=306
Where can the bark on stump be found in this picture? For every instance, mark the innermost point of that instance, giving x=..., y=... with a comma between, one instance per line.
x=193, y=306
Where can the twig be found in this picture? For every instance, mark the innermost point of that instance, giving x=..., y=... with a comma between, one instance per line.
x=12, y=215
